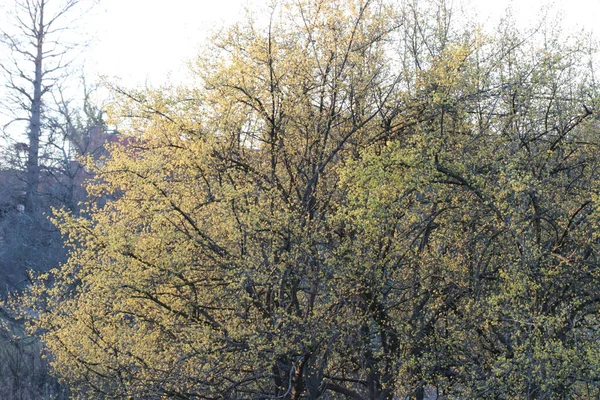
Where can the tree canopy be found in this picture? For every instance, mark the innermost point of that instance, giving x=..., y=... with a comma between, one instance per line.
x=358, y=199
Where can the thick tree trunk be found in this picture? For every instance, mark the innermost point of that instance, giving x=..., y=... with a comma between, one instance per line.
x=33, y=167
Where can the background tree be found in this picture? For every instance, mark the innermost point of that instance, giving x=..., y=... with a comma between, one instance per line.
x=38, y=43
x=37, y=60
x=76, y=130
x=39, y=167
x=30, y=242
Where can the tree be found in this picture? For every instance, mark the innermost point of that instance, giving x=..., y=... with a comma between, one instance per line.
x=75, y=133
x=485, y=221
x=356, y=202
x=37, y=60
x=24, y=372
x=39, y=57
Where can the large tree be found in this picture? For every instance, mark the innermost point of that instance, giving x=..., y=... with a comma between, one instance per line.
x=38, y=51
x=485, y=224
x=357, y=201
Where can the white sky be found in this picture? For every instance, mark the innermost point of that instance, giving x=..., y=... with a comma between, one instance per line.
x=148, y=41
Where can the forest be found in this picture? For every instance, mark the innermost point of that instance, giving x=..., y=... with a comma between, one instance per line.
x=350, y=199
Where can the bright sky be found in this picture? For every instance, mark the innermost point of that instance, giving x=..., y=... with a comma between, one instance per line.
x=148, y=41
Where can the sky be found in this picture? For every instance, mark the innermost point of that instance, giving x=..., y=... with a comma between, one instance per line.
x=146, y=41
x=149, y=41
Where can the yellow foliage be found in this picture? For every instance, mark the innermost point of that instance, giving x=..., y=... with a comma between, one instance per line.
x=345, y=206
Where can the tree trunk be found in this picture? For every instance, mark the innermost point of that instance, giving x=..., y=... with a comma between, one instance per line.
x=33, y=168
